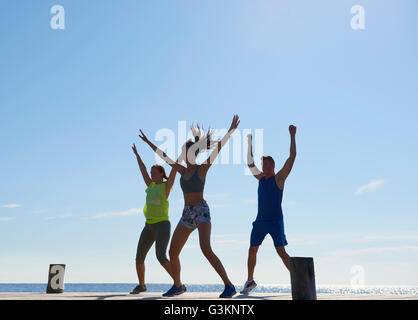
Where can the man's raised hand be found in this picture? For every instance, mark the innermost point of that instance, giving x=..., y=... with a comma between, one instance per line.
x=292, y=129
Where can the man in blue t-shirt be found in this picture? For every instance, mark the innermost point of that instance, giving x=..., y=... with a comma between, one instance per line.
x=269, y=218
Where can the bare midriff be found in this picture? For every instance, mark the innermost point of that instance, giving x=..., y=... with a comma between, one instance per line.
x=192, y=198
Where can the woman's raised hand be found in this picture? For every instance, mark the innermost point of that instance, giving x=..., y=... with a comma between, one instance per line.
x=134, y=149
x=235, y=123
x=143, y=137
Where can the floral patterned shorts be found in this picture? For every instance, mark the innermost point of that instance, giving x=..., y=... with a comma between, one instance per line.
x=193, y=215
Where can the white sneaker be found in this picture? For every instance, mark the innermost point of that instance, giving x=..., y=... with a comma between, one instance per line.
x=249, y=285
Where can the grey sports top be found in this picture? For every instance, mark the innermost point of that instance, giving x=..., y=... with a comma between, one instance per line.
x=193, y=184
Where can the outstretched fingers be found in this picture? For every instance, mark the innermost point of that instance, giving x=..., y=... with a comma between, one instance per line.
x=134, y=148
x=143, y=137
x=235, y=122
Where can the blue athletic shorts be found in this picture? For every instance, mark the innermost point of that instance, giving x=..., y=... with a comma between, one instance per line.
x=262, y=228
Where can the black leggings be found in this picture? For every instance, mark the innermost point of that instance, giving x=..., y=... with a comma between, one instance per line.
x=156, y=232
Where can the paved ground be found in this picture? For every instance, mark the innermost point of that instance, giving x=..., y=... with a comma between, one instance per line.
x=185, y=296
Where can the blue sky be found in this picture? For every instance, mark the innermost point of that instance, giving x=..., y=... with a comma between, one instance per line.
x=72, y=101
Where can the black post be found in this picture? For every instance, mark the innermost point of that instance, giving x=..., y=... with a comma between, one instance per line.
x=302, y=277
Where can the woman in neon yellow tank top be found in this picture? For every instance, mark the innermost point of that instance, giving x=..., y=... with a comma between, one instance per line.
x=157, y=225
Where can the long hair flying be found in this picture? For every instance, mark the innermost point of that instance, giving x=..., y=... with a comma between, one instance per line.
x=202, y=140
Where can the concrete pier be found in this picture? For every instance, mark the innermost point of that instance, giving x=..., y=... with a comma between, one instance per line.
x=187, y=296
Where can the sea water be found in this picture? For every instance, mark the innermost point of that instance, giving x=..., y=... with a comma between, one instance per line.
x=162, y=287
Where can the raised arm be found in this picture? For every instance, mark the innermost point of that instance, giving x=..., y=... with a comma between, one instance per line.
x=250, y=159
x=163, y=155
x=172, y=176
x=284, y=172
x=221, y=143
x=142, y=167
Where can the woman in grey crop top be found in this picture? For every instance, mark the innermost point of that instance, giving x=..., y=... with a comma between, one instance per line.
x=193, y=184
x=196, y=212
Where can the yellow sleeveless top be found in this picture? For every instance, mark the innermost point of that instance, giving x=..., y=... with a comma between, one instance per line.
x=156, y=205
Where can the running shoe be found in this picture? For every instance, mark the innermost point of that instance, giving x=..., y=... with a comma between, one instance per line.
x=249, y=285
x=139, y=288
x=175, y=291
x=229, y=291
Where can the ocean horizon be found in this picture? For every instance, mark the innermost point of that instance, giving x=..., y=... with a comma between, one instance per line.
x=162, y=287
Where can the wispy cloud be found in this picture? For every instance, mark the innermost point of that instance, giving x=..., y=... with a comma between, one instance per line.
x=391, y=237
x=232, y=242
x=350, y=237
x=241, y=239
x=290, y=203
x=229, y=235
x=62, y=216
x=128, y=212
x=252, y=200
x=190, y=246
x=373, y=185
x=39, y=211
x=217, y=205
x=217, y=196
x=372, y=251
x=7, y=218
x=217, y=200
x=313, y=239
x=11, y=205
